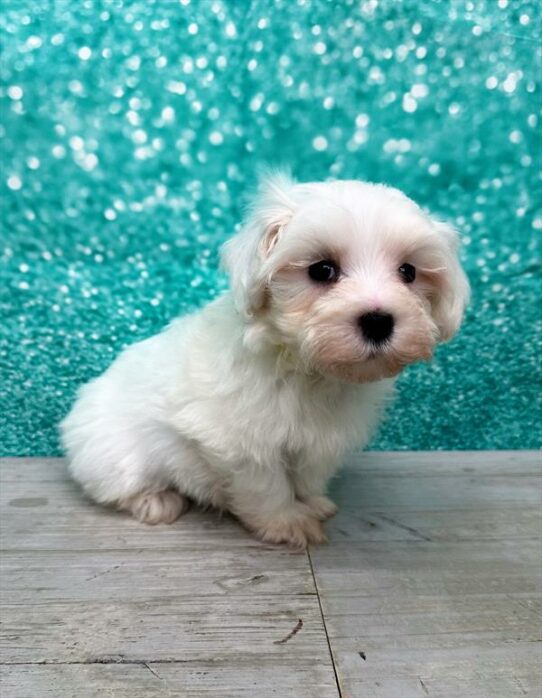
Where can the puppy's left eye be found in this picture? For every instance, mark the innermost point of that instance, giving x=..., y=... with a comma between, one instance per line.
x=324, y=272
x=407, y=272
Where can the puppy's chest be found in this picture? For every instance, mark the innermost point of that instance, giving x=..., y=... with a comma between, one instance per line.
x=266, y=418
x=301, y=417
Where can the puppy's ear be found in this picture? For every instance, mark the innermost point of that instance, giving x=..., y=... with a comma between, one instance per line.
x=244, y=255
x=452, y=287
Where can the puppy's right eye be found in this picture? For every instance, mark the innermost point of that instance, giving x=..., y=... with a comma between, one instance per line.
x=324, y=272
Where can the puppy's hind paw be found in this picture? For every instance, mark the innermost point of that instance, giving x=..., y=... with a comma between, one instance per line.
x=156, y=507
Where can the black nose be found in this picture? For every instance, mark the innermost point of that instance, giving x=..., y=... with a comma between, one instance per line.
x=376, y=326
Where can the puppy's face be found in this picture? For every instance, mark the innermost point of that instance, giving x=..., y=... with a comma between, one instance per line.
x=353, y=278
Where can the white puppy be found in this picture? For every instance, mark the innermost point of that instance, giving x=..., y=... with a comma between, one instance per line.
x=250, y=404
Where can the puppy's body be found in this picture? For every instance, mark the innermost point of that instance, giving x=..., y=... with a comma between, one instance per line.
x=250, y=404
x=193, y=410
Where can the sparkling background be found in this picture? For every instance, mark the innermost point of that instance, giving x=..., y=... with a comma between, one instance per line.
x=131, y=131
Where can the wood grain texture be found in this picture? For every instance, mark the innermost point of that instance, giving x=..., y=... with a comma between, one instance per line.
x=95, y=603
x=431, y=583
x=431, y=586
x=161, y=680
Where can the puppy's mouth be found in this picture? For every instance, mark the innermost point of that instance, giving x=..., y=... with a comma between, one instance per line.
x=376, y=352
x=377, y=362
x=375, y=365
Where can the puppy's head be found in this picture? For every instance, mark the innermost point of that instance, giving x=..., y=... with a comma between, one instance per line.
x=353, y=278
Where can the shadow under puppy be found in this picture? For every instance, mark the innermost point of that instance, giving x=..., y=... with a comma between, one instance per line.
x=250, y=404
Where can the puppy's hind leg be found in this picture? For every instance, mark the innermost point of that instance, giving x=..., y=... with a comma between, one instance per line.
x=121, y=462
x=156, y=507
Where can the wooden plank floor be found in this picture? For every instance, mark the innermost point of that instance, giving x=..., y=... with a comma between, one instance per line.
x=431, y=586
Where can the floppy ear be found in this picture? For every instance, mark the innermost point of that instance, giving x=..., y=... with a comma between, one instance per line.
x=453, y=291
x=243, y=255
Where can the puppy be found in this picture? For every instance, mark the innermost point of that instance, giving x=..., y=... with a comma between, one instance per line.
x=250, y=404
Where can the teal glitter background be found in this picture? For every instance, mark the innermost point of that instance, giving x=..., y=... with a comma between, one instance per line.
x=131, y=132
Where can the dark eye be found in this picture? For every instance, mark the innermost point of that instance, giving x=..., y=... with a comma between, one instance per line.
x=408, y=273
x=324, y=272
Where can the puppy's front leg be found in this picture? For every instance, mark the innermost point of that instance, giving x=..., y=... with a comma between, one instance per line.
x=263, y=498
x=310, y=479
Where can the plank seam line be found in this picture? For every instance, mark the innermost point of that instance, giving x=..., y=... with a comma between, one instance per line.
x=339, y=692
x=98, y=661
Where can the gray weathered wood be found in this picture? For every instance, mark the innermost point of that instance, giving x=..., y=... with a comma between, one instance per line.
x=431, y=586
x=96, y=604
x=161, y=680
x=431, y=583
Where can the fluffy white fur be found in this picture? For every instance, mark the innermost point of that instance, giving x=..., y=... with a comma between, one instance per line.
x=250, y=404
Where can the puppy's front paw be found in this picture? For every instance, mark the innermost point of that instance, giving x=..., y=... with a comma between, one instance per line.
x=321, y=506
x=157, y=507
x=297, y=527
